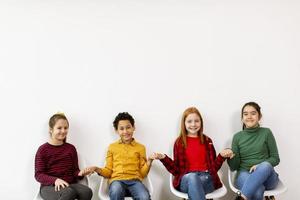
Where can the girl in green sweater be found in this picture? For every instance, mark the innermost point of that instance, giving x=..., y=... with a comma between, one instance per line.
x=256, y=155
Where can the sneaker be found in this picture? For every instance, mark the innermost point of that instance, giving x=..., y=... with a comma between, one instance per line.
x=239, y=196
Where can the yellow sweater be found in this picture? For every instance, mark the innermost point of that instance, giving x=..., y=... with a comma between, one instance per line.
x=125, y=162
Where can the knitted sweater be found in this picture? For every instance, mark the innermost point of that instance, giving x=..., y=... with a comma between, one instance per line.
x=52, y=162
x=252, y=146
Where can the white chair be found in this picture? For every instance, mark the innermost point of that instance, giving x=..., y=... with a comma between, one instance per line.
x=215, y=194
x=104, y=187
x=280, y=188
x=84, y=181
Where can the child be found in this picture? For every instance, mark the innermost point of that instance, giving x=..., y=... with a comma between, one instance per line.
x=195, y=164
x=126, y=163
x=256, y=155
x=56, y=165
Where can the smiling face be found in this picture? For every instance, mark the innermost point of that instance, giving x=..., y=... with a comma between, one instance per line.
x=192, y=124
x=59, y=131
x=250, y=117
x=125, y=131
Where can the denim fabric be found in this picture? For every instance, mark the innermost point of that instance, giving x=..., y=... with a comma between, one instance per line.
x=196, y=185
x=118, y=190
x=253, y=185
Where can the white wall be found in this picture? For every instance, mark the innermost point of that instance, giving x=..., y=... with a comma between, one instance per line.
x=93, y=59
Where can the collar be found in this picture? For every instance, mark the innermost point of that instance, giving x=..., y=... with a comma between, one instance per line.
x=133, y=142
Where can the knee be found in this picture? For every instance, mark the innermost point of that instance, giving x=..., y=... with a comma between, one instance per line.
x=69, y=192
x=265, y=166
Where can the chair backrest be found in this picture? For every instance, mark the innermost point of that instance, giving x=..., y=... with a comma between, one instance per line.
x=220, y=192
x=84, y=181
x=104, y=187
x=280, y=188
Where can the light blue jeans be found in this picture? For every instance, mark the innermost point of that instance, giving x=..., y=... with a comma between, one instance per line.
x=253, y=185
x=196, y=185
x=118, y=190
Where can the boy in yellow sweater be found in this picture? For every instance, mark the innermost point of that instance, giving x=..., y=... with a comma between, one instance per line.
x=126, y=163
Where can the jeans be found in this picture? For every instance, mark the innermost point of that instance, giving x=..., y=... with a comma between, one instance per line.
x=73, y=191
x=253, y=185
x=196, y=185
x=118, y=190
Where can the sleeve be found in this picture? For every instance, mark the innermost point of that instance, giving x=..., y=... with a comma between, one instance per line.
x=41, y=169
x=75, y=162
x=234, y=163
x=170, y=165
x=107, y=170
x=272, y=149
x=218, y=160
x=144, y=168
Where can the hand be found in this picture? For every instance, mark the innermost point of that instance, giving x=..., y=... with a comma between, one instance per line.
x=158, y=156
x=86, y=171
x=253, y=168
x=60, y=183
x=227, y=153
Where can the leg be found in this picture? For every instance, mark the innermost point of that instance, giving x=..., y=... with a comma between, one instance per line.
x=138, y=190
x=83, y=191
x=117, y=190
x=249, y=183
x=196, y=185
x=49, y=193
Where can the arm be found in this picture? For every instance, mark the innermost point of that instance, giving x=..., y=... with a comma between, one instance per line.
x=144, y=163
x=273, y=151
x=76, y=172
x=172, y=165
x=41, y=170
x=218, y=160
x=234, y=163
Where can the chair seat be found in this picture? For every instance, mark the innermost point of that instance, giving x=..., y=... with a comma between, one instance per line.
x=280, y=188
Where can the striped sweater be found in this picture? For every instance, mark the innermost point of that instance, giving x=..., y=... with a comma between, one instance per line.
x=52, y=162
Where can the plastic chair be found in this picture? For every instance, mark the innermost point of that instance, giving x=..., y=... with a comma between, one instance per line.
x=268, y=194
x=84, y=181
x=104, y=187
x=215, y=194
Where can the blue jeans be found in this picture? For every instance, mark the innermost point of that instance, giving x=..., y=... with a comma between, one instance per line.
x=196, y=185
x=253, y=185
x=118, y=190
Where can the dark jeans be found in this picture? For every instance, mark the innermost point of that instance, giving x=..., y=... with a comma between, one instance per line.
x=74, y=191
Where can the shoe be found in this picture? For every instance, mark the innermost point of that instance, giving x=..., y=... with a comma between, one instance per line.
x=239, y=196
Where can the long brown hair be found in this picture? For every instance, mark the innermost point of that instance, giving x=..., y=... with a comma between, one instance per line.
x=55, y=118
x=183, y=131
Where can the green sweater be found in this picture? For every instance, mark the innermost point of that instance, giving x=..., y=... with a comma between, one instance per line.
x=252, y=146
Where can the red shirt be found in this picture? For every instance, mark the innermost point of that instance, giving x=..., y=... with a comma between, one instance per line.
x=195, y=154
x=179, y=166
